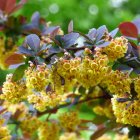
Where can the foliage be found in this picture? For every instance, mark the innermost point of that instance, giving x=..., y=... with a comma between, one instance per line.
x=96, y=73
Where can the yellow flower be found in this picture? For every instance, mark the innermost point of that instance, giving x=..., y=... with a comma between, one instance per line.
x=117, y=83
x=137, y=86
x=126, y=112
x=43, y=100
x=117, y=48
x=13, y=92
x=70, y=136
x=92, y=71
x=4, y=133
x=30, y=124
x=48, y=131
x=69, y=120
x=37, y=78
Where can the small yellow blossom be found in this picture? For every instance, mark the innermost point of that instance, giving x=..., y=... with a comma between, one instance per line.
x=69, y=120
x=117, y=48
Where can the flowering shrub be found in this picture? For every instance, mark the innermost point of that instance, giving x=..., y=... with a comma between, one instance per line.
x=54, y=70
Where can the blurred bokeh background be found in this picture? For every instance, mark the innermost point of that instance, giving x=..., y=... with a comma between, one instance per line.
x=86, y=14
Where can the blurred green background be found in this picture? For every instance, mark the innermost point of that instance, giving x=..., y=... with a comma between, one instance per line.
x=86, y=14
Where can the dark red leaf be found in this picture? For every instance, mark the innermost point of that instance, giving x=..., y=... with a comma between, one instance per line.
x=128, y=29
x=16, y=7
x=0, y=89
x=98, y=133
x=14, y=59
x=2, y=4
x=10, y=5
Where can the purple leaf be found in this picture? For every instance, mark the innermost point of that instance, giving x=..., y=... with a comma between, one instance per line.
x=43, y=47
x=70, y=39
x=135, y=52
x=35, y=18
x=129, y=50
x=92, y=33
x=70, y=27
x=49, y=30
x=29, y=26
x=100, y=32
x=79, y=53
x=33, y=41
x=23, y=50
x=105, y=44
x=6, y=116
x=137, y=24
x=114, y=32
x=122, y=99
x=55, y=32
x=54, y=50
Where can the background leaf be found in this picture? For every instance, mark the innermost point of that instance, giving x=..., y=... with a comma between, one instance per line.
x=19, y=72
x=14, y=59
x=128, y=29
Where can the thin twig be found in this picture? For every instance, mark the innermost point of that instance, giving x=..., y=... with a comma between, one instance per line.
x=67, y=104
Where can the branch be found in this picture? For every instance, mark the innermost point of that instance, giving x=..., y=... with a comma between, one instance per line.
x=53, y=110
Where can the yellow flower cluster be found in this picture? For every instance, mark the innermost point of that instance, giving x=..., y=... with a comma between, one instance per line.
x=70, y=136
x=48, y=131
x=104, y=110
x=5, y=53
x=30, y=124
x=4, y=133
x=117, y=83
x=92, y=71
x=13, y=92
x=69, y=120
x=127, y=112
x=117, y=48
x=43, y=100
x=65, y=69
x=137, y=86
x=116, y=137
x=37, y=78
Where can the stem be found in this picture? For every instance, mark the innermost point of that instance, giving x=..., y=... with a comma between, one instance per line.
x=48, y=117
x=76, y=49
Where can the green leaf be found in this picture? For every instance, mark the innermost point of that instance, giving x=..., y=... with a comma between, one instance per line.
x=19, y=72
x=99, y=119
x=82, y=90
